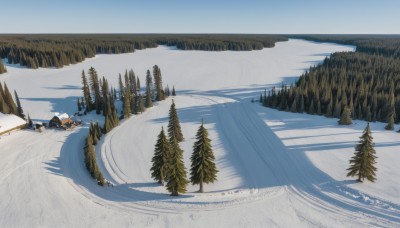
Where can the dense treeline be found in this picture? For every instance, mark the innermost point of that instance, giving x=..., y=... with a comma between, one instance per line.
x=36, y=51
x=385, y=45
x=90, y=153
x=367, y=84
x=7, y=103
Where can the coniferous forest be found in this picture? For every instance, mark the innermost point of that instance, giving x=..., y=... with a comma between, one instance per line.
x=366, y=82
x=53, y=50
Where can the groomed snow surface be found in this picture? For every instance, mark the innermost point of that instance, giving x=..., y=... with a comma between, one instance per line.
x=276, y=169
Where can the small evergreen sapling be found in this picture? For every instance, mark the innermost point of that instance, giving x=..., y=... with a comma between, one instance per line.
x=345, y=119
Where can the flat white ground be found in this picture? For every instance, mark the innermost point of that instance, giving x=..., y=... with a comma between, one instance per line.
x=276, y=168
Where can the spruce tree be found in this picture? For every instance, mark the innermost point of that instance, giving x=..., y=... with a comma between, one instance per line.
x=30, y=123
x=141, y=107
x=362, y=164
x=173, y=91
x=149, y=102
x=345, y=119
x=174, y=127
x=20, y=112
x=95, y=84
x=127, y=104
x=176, y=176
x=79, y=105
x=86, y=92
x=390, y=122
x=121, y=87
x=203, y=168
x=9, y=101
x=2, y=67
x=160, y=158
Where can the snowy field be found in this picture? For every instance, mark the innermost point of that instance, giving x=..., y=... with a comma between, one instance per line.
x=276, y=169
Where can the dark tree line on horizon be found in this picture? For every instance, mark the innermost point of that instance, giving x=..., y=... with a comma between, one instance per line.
x=34, y=50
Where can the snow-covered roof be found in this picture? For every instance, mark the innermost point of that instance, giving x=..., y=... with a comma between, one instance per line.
x=61, y=116
x=9, y=121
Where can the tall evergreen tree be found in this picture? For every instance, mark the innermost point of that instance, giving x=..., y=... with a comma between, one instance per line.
x=127, y=104
x=30, y=123
x=363, y=162
x=94, y=82
x=86, y=92
x=20, y=112
x=9, y=101
x=174, y=127
x=158, y=83
x=173, y=91
x=141, y=107
x=203, y=168
x=149, y=102
x=121, y=87
x=2, y=67
x=160, y=158
x=176, y=177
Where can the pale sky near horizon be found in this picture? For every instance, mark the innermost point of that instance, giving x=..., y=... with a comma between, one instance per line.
x=205, y=16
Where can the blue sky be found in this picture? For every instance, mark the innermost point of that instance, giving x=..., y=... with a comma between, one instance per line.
x=203, y=16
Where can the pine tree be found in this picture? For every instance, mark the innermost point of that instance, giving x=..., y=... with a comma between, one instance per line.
x=30, y=123
x=79, y=105
x=141, y=107
x=176, y=176
x=94, y=82
x=173, y=91
x=121, y=87
x=20, y=112
x=390, y=122
x=345, y=119
x=127, y=104
x=363, y=162
x=86, y=92
x=203, y=169
x=8, y=99
x=160, y=158
x=174, y=127
x=158, y=83
x=2, y=67
x=149, y=102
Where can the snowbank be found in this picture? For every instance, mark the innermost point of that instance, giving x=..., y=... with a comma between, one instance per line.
x=10, y=122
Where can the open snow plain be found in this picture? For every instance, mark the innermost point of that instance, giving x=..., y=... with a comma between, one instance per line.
x=276, y=169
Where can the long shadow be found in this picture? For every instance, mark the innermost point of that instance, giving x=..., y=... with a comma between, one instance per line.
x=71, y=165
x=67, y=104
x=262, y=160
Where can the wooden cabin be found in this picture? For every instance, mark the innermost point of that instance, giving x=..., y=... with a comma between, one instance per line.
x=60, y=121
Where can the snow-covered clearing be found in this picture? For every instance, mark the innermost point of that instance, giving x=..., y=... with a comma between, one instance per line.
x=276, y=168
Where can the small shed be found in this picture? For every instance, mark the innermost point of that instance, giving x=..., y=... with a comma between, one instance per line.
x=60, y=120
x=10, y=122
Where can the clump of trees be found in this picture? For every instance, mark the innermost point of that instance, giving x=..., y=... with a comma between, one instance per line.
x=7, y=103
x=92, y=139
x=362, y=164
x=167, y=162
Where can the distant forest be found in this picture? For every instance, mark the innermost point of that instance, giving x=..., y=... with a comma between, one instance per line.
x=58, y=50
x=366, y=81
